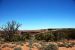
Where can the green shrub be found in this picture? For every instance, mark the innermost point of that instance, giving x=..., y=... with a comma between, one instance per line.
x=19, y=43
x=12, y=46
x=51, y=47
x=2, y=42
x=39, y=36
x=16, y=38
x=45, y=36
x=5, y=46
x=48, y=46
x=60, y=45
x=73, y=43
x=59, y=36
x=10, y=29
x=12, y=42
x=67, y=45
x=18, y=48
x=25, y=36
x=48, y=37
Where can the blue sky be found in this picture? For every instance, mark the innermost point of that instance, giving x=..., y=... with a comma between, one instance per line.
x=38, y=14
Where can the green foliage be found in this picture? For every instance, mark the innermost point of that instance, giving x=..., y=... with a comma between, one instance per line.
x=10, y=29
x=39, y=36
x=45, y=36
x=59, y=36
x=1, y=39
x=48, y=37
x=18, y=48
x=22, y=37
x=60, y=44
x=48, y=46
x=71, y=35
x=51, y=47
x=5, y=45
x=31, y=41
x=10, y=33
x=25, y=36
x=67, y=45
x=16, y=38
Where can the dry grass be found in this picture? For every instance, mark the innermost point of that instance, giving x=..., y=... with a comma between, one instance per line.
x=25, y=46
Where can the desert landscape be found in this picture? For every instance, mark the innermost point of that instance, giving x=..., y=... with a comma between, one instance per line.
x=44, y=39
x=25, y=46
x=37, y=24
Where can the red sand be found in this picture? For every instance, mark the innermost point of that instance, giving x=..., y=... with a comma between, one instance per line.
x=64, y=48
x=27, y=48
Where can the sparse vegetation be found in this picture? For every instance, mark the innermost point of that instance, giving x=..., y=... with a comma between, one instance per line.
x=18, y=48
x=51, y=47
x=10, y=29
x=10, y=34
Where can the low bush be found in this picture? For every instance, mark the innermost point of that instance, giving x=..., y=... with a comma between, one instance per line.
x=18, y=48
x=60, y=44
x=51, y=47
x=48, y=46
x=5, y=46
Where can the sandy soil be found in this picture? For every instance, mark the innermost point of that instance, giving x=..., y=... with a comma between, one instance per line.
x=64, y=48
x=25, y=47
